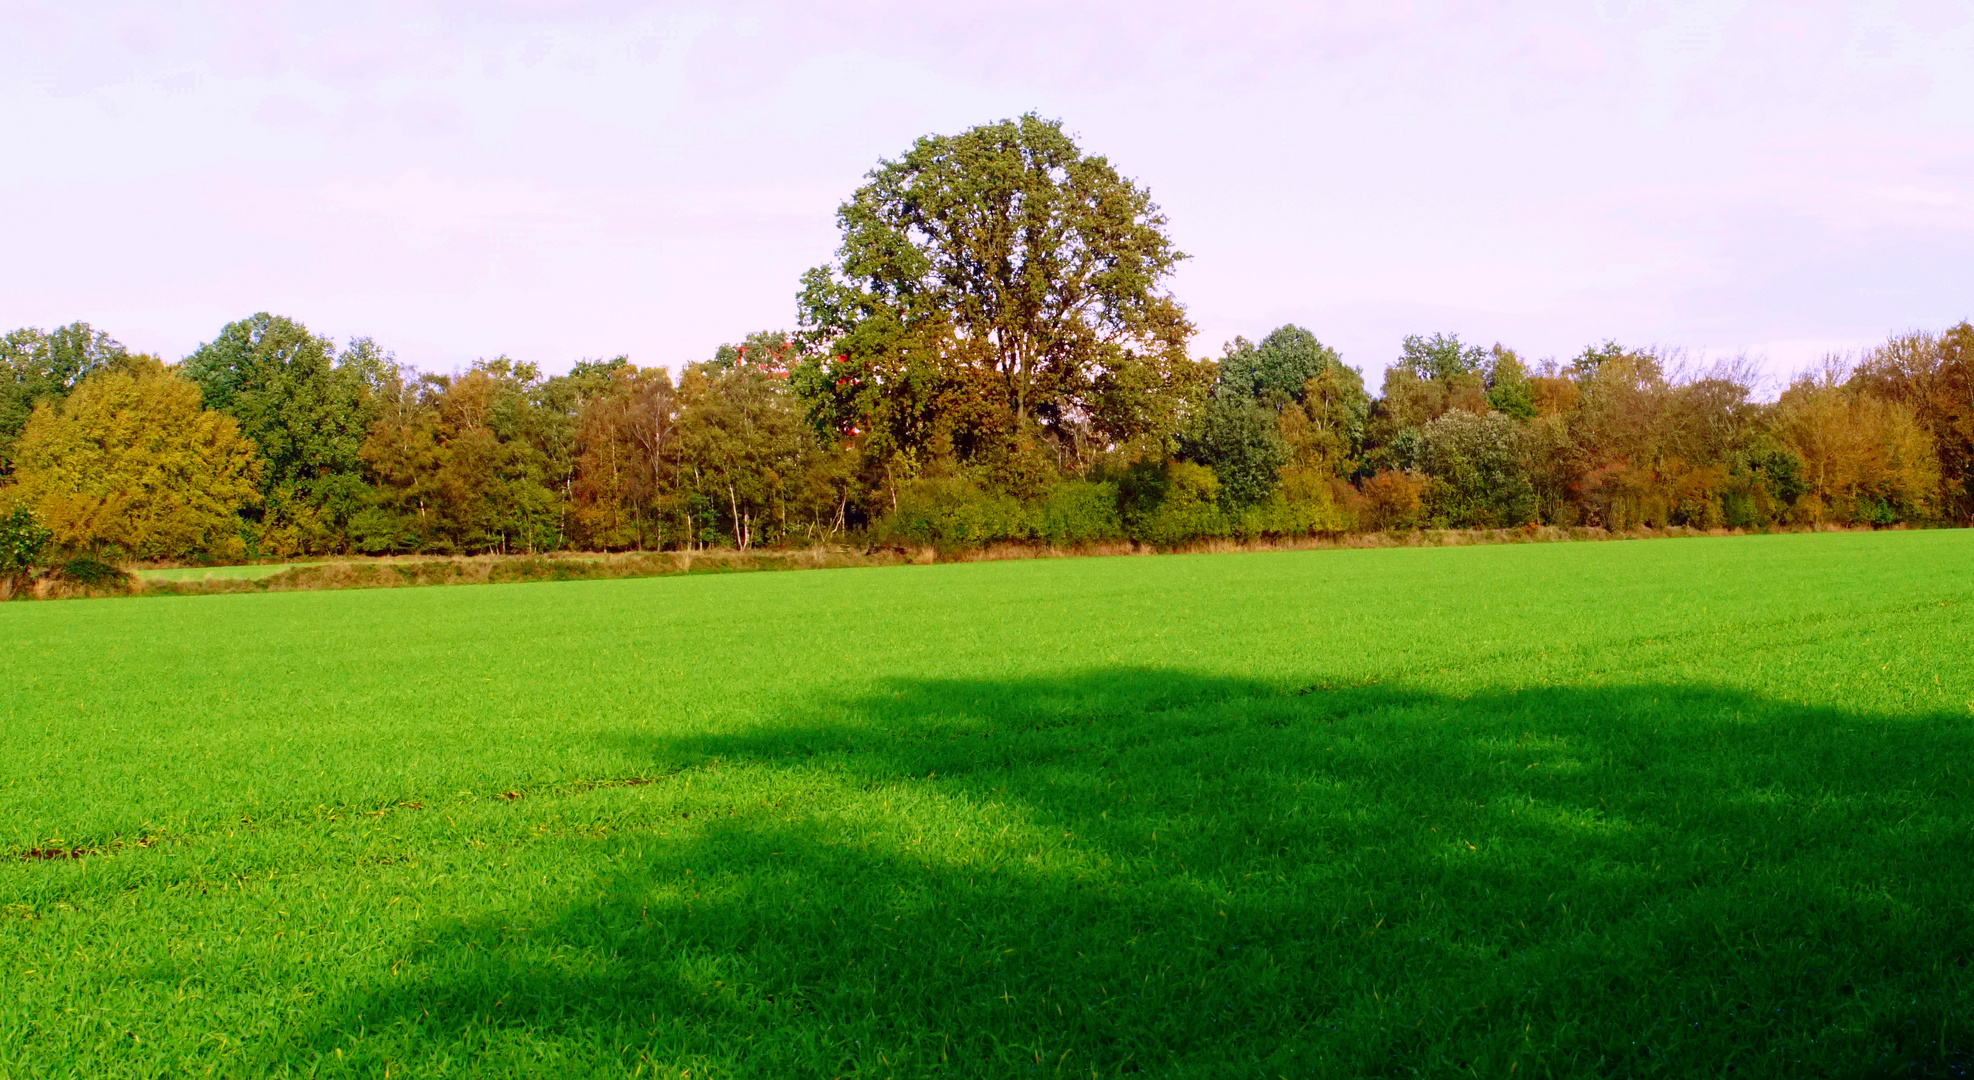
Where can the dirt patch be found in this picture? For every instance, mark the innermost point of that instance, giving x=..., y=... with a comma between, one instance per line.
x=55, y=853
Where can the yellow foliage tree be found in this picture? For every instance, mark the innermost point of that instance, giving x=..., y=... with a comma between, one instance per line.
x=1862, y=456
x=129, y=464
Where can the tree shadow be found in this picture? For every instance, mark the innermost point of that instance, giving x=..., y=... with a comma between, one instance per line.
x=1141, y=870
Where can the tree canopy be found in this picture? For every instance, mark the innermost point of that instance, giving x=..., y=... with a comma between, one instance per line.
x=130, y=464
x=306, y=408
x=993, y=354
x=1279, y=368
x=989, y=281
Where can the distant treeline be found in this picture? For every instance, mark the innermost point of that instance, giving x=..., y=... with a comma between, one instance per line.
x=992, y=357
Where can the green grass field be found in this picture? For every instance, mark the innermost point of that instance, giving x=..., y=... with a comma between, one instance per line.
x=1663, y=808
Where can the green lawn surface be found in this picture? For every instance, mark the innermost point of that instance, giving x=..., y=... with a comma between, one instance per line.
x=202, y=573
x=1658, y=808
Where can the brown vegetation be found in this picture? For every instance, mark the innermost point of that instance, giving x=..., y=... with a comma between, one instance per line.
x=410, y=571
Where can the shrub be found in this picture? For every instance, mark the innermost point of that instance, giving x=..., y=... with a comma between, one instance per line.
x=1393, y=500
x=1079, y=511
x=290, y=526
x=1739, y=510
x=91, y=571
x=1303, y=505
x=1696, y=493
x=1140, y=488
x=1188, y=508
x=1620, y=497
x=1477, y=461
x=23, y=542
x=952, y=513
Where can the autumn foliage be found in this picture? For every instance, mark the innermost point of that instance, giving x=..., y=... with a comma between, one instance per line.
x=131, y=464
x=994, y=354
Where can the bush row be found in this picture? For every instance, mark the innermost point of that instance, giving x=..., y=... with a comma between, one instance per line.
x=1163, y=505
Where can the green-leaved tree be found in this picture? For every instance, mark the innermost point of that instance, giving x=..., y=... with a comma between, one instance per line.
x=1241, y=441
x=307, y=408
x=1278, y=368
x=992, y=281
x=1476, y=465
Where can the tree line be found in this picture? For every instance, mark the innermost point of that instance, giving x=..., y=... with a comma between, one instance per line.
x=992, y=355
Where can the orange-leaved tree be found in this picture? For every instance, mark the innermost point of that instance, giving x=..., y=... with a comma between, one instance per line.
x=1933, y=376
x=1865, y=458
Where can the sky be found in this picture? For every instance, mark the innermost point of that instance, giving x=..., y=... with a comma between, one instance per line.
x=555, y=180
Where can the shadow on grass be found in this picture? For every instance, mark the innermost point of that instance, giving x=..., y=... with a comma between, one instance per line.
x=1145, y=871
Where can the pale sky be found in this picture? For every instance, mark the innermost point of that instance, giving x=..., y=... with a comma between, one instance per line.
x=560, y=179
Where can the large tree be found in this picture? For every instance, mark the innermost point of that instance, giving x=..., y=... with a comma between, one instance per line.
x=1241, y=441
x=130, y=464
x=307, y=408
x=1432, y=377
x=994, y=280
x=1441, y=356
